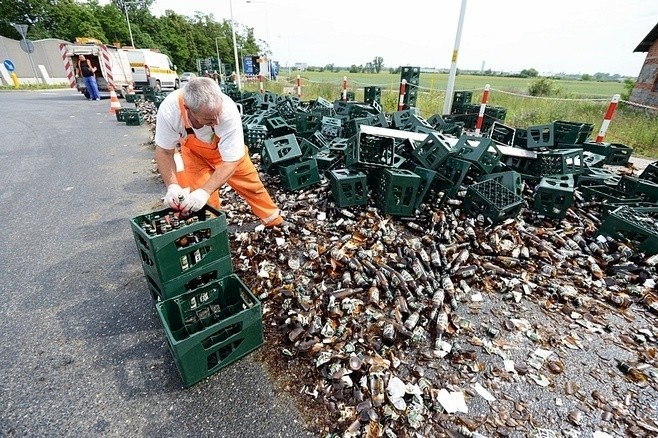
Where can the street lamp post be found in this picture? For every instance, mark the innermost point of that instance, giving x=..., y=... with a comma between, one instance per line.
x=235, y=45
x=267, y=35
x=125, y=8
x=219, y=63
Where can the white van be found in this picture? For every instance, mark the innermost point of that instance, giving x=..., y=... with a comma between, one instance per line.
x=152, y=69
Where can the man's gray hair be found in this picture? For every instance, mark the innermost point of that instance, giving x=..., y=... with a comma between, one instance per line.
x=202, y=93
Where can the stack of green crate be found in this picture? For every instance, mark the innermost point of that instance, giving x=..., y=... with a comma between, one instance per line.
x=132, y=117
x=210, y=317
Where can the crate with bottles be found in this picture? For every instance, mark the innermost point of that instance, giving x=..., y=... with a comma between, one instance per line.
x=174, y=246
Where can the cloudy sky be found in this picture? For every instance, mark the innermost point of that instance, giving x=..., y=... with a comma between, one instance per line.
x=572, y=36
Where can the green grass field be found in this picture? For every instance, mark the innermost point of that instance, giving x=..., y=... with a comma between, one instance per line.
x=575, y=101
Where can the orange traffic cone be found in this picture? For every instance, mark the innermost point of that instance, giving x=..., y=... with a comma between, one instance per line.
x=114, y=101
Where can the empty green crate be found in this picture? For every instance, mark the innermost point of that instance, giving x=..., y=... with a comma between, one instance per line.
x=637, y=225
x=254, y=136
x=396, y=191
x=327, y=160
x=399, y=119
x=119, y=114
x=480, y=151
x=180, y=251
x=554, y=195
x=131, y=98
x=595, y=176
x=211, y=327
x=372, y=94
x=540, y=136
x=186, y=282
x=558, y=162
x=650, y=173
x=608, y=195
x=493, y=200
x=132, y=117
x=502, y=134
x=616, y=154
x=278, y=127
x=459, y=100
x=279, y=150
x=510, y=179
x=374, y=150
x=646, y=189
x=296, y=176
x=348, y=187
x=432, y=151
x=427, y=177
x=571, y=132
x=455, y=170
x=591, y=160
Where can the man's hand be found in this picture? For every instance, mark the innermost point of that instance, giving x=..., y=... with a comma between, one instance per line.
x=171, y=199
x=195, y=200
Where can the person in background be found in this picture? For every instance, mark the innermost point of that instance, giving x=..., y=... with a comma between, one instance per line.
x=207, y=124
x=88, y=73
x=215, y=76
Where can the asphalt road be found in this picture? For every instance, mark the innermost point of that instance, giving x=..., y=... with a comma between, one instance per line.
x=83, y=350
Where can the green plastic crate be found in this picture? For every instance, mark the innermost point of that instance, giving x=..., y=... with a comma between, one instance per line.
x=211, y=327
x=186, y=282
x=554, y=195
x=510, y=179
x=278, y=151
x=540, y=136
x=502, y=134
x=493, y=200
x=348, y=187
x=167, y=256
x=372, y=94
x=278, y=127
x=559, y=162
x=639, y=225
x=119, y=114
x=396, y=191
x=480, y=151
x=571, y=132
x=131, y=98
x=254, y=136
x=594, y=176
x=132, y=117
x=427, y=177
x=650, y=173
x=327, y=160
x=616, y=154
x=455, y=170
x=296, y=176
x=432, y=151
x=646, y=189
x=373, y=150
x=608, y=195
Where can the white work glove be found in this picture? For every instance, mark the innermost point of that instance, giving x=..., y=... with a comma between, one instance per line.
x=171, y=199
x=195, y=200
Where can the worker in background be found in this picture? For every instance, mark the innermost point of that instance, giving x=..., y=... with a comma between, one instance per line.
x=88, y=73
x=215, y=76
x=207, y=124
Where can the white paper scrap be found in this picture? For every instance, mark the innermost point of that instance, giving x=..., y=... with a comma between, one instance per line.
x=482, y=391
x=452, y=401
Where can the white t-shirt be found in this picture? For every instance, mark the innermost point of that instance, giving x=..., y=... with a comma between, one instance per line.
x=169, y=127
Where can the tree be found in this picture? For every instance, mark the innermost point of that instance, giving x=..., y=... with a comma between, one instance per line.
x=586, y=77
x=529, y=73
x=378, y=63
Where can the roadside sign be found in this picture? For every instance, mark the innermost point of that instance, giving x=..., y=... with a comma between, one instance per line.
x=21, y=29
x=27, y=46
x=9, y=65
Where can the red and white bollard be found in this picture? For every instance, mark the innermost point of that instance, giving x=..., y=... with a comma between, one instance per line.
x=607, y=118
x=260, y=83
x=344, y=98
x=299, y=86
x=403, y=90
x=483, y=106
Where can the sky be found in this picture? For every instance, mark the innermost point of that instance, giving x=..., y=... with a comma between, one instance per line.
x=556, y=36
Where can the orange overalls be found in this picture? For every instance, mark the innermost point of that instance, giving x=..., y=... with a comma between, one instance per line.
x=201, y=159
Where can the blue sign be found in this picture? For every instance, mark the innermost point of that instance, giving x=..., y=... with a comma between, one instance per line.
x=9, y=65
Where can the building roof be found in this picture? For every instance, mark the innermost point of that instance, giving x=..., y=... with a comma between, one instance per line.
x=648, y=40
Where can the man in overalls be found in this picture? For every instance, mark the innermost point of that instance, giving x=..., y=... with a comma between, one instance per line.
x=208, y=126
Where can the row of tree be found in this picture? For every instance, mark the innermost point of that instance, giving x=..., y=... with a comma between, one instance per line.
x=184, y=39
